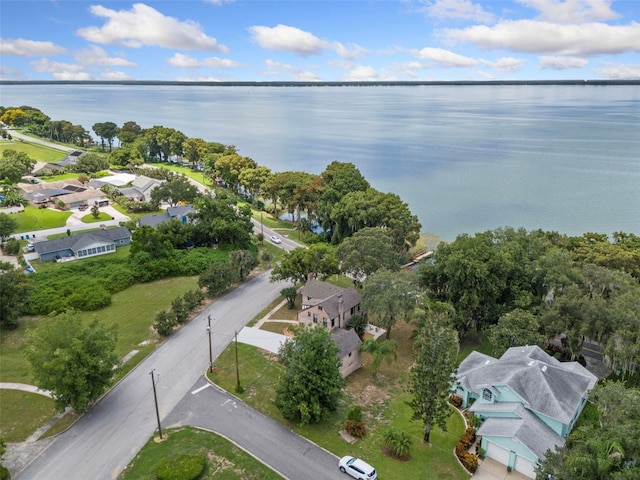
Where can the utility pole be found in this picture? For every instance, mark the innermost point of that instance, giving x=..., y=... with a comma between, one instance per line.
x=210, y=351
x=237, y=368
x=155, y=398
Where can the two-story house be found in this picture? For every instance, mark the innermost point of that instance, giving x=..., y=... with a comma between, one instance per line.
x=329, y=306
x=529, y=402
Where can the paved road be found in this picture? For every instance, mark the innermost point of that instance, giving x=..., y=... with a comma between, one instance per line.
x=287, y=453
x=39, y=141
x=105, y=440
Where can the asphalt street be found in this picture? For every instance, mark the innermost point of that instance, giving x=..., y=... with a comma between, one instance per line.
x=105, y=439
x=292, y=456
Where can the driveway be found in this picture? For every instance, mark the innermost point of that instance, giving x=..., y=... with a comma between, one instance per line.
x=489, y=469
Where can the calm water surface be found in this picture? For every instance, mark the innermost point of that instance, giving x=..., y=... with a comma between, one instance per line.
x=465, y=158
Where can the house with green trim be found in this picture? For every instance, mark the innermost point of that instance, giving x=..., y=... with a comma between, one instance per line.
x=528, y=401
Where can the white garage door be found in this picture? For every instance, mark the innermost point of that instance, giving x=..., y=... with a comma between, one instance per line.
x=524, y=466
x=498, y=453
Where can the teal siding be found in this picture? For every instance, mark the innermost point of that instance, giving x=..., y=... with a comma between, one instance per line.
x=511, y=445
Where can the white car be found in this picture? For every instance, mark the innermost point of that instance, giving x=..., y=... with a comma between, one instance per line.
x=275, y=239
x=357, y=468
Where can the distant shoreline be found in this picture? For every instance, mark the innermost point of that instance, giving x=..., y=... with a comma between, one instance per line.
x=320, y=84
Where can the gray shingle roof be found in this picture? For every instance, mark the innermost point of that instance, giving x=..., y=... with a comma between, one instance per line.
x=346, y=340
x=156, y=219
x=545, y=385
x=524, y=426
x=77, y=242
x=319, y=290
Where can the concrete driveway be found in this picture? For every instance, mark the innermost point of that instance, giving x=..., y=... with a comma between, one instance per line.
x=489, y=469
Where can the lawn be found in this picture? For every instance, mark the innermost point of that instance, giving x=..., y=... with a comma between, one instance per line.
x=224, y=459
x=22, y=413
x=383, y=400
x=89, y=218
x=36, y=152
x=34, y=219
x=132, y=310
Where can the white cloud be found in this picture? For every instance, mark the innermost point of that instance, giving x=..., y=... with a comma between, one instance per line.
x=114, y=75
x=361, y=73
x=61, y=71
x=185, y=61
x=274, y=69
x=444, y=57
x=505, y=64
x=615, y=71
x=10, y=73
x=28, y=48
x=562, y=63
x=285, y=38
x=197, y=79
x=572, y=11
x=95, y=55
x=143, y=25
x=458, y=9
x=352, y=52
x=288, y=39
x=543, y=37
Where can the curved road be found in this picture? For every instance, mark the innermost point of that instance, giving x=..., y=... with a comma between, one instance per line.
x=105, y=440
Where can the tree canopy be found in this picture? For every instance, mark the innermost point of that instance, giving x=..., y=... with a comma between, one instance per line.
x=14, y=165
x=435, y=354
x=75, y=362
x=387, y=297
x=311, y=385
x=604, y=446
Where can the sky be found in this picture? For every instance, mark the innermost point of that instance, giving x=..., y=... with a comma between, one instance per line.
x=326, y=40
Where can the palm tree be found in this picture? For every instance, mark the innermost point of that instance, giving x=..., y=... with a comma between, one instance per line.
x=358, y=323
x=380, y=350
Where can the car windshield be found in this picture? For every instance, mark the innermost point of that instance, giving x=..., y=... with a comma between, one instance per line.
x=349, y=462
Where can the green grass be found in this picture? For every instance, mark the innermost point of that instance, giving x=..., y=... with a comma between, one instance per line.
x=383, y=402
x=89, y=218
x=61, y=176
x=133, y=311
x=36, y=152
x=192, y=174
x=22, y=413
x=225, y=461
x=34, y=219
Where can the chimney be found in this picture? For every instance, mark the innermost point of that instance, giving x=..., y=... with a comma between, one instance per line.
x=340, y=310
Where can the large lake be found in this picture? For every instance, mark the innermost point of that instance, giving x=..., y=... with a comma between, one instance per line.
x=465, y=158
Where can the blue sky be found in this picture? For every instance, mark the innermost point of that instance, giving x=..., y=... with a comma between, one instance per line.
x=327, y=40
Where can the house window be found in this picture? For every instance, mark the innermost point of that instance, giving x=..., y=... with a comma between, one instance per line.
x=353, y=310
x=333, y=322
x=315, y=318
x=487, y=395
x=324, y=321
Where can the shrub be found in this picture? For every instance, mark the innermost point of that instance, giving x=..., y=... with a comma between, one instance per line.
x=193, y=298
x=469, y=460
x=355, y=428
x=398, y=442
x=164, y=324
x=12, y=247
x=355, y=414
x=455, y=400
x=184, y=467
x=179, y=310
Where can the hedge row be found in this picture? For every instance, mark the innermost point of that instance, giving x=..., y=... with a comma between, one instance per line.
x=469, y=460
